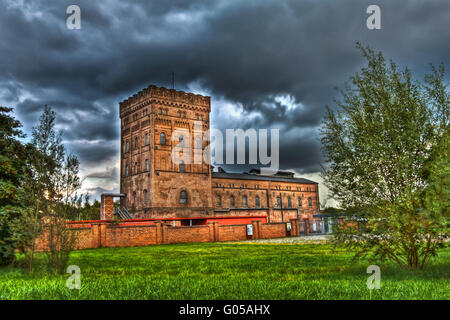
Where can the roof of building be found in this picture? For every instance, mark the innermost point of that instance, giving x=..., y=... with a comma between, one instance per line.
x=281, y=176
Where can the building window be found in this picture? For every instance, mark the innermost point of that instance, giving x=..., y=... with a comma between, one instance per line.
x=126, y=171
x=166, y=112
x=278, y=202
x=289, y=202
x=160, y=110
x=244, y=201
x=182, y=167
x=198, y=143
x=219, y=201
x=183, y=197
x=136, y=142
x=184, y=114
x=145, y=197
x=127, y=146
x=300, y=202
x=310, y=202
x=146, y=139
x=134, y=198
x=162, y=138
x=232, y=201
x=181, y=141
x=179, y=114
x=257, y=202
x=146, y=165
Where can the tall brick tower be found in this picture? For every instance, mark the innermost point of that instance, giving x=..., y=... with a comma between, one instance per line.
x=153, y=122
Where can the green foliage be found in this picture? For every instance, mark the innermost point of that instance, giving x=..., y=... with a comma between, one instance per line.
x=227, y=271
x=12, y=164
x=386, y=149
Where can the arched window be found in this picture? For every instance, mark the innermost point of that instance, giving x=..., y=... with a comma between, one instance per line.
x=219, y=201
x=300, y=202
x=183, y=197
x=232, y=201
x=257, y=201
x=289, y=202
x=244, y=201
x=278, y=202
x=198, y=143
x=145, y=197
x=310, y=202
x=162, y=138
x=181, y=141
x=182, y=167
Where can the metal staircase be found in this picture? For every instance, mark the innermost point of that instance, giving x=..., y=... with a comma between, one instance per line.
x=122, y=213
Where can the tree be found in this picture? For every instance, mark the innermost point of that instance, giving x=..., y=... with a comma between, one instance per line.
x=385, y=163
x=51, y=186
x=12, y=165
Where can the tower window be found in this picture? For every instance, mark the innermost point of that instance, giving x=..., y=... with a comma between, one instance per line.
x=126, y=171
x=257, y=204
x=300, y=202
x=278, y=202
x=232, y=201
x=184, y=114
x=289, y=202
x=198, y=143
x=310, y=202
x=166, y=112
x=127, y=146
x=179, y=114
x=219, y=201
x=146, y=197
x=162, y=138
x=146, y=139
x=244, y=201
x=160, y=111
x=181, y=141
x=183, y=197
x=182, y=167
x=146, y=165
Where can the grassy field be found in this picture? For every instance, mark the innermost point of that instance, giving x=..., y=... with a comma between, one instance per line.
x=227, y=271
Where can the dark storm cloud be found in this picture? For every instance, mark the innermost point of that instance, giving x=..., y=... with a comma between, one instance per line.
x=246, y=52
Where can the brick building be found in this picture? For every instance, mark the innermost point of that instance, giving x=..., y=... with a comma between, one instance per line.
x=154, y=121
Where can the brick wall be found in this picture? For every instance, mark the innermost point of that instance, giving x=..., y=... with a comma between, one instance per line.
x=104, y=234
x=233, y=232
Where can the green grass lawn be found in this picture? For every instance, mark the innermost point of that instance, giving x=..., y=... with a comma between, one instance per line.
x=227, y=271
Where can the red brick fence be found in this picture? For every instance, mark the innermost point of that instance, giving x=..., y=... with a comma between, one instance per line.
x=107, y=234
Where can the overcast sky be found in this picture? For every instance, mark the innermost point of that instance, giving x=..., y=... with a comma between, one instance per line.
x=265, y=64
